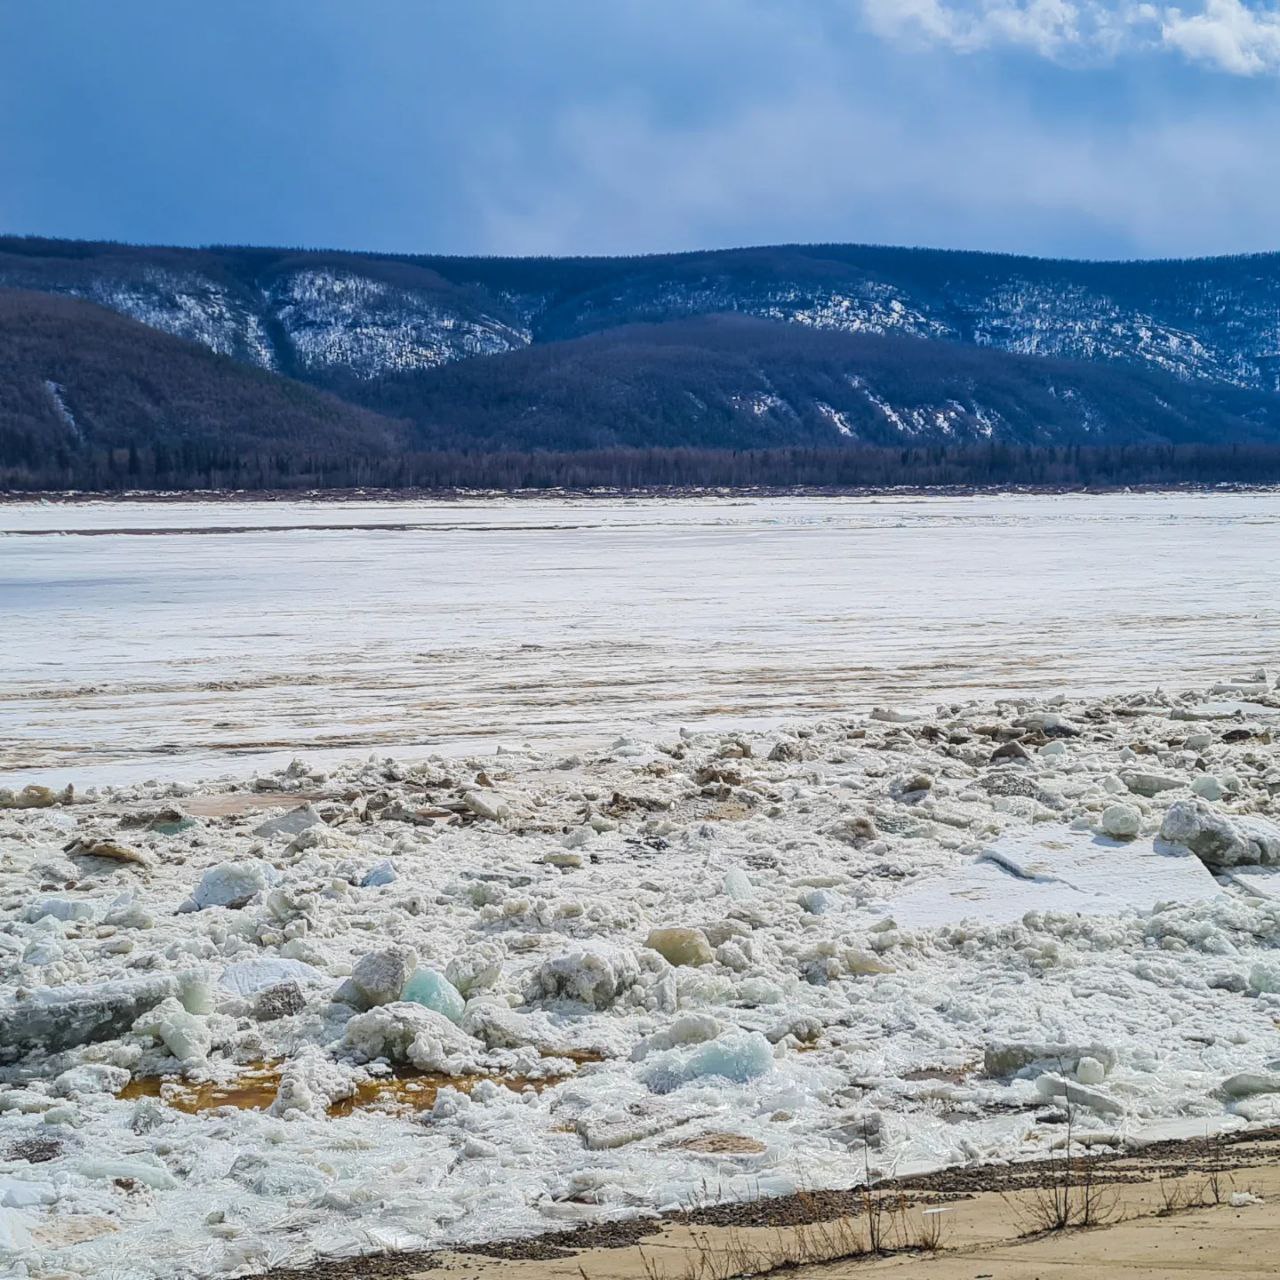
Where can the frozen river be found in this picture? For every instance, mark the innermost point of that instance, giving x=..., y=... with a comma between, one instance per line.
x=157, y=639
x=453, y=1003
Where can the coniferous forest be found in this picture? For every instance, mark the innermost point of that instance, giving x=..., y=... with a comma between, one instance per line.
x=127, y=369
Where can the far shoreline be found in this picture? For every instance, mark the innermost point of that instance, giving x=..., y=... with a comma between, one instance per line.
x=341, y=496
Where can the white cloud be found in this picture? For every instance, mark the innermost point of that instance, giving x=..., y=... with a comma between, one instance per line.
x=1229, y=35
x=818, y=133
x=814, y=165
x=1053, y=28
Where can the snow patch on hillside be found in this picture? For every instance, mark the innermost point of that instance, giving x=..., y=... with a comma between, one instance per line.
x=879, y=402
x=986, y=421
x=837, y=419
x=877, y=310
x=65, y=415
x=1074, y=323
x=187, y=306
x=762, y=404
x=337, y=319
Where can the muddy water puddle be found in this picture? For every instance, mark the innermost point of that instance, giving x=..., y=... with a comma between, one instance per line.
x=255, y=1088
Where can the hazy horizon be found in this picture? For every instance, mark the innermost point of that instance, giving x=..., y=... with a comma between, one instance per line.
x=697, y=251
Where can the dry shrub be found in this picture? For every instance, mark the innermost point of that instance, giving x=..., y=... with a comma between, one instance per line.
x=1072, y=1195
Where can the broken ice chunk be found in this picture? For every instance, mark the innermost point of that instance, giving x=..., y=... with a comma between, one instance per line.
x=232, y=884
x=595, y=974
x=680, y=946
x=405, y=1032
x=739, y=1057
x=1221, y=841
x=60, y=1018
x=183, y=1034
x=378, y=978
x=1078, y=1095
x=248, y=977
x=65, y=909
x=383, y=873
x=433, y=990
x=1121, y=821
x=293, y=823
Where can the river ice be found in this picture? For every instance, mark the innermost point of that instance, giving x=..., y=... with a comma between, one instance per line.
x=716, y=964
x=342, y=628
x=871, y=915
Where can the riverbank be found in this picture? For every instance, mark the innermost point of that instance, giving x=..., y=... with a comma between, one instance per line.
x=1191, y=1209
x=595, y=493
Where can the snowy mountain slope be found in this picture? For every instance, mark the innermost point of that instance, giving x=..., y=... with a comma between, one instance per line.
x=177, y=299
x=1212, y=319
x=340, y=320
x=335, y=317
x=738, y=382
x=316, y=316
x=87, y=395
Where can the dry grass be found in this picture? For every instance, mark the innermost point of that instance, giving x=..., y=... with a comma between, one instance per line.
x=885, y=1222
x=1179, y=1194
x=888, y=1223
x=1071, y=1196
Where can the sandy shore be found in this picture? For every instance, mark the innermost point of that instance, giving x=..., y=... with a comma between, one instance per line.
x=1158, y=1210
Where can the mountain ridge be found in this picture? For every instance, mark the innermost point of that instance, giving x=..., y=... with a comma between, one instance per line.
x=733, y=381
x=319, y=314
x=266, y=364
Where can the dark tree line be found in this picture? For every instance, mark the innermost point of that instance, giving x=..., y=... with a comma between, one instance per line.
x=975, y=466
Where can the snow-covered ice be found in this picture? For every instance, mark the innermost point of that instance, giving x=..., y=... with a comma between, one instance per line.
x=926, y=868
x=478, y=996
x=1054, y=870
x=340, y=628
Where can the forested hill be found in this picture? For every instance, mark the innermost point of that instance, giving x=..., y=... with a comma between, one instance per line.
x=91, y=399
x=277, y=368
x=319, y=314
x=733, y=382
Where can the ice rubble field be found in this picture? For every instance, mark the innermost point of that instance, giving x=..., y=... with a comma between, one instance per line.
x=718, y=966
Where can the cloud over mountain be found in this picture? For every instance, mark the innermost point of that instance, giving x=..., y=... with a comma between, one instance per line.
x=1228, y=35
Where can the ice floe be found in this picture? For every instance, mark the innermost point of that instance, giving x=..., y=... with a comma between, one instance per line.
x=1068, y=872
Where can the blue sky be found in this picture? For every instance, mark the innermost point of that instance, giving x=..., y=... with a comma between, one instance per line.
x=1094, y=128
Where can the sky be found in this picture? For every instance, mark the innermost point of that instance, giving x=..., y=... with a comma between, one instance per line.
x=1083, y=128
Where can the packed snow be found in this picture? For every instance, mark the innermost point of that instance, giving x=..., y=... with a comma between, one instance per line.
x=919, y=937
x=188, y=305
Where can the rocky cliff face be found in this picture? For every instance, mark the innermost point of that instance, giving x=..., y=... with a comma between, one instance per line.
x=347, y=321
